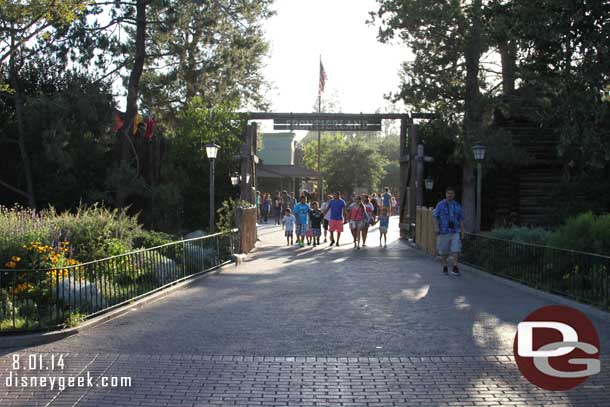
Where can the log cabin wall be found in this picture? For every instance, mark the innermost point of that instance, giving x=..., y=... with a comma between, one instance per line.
x=522, y=194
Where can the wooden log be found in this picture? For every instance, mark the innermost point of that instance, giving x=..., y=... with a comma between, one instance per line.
x=432, y=234
x=418, y=225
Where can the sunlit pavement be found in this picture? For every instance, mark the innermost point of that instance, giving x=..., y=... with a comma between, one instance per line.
x=324, y=326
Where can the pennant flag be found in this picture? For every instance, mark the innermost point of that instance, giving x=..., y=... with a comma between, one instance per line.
x=323, y=79
x=150, y=127
x=117, y=121
x=137, y=121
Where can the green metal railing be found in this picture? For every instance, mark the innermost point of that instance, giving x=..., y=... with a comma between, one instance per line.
x=36, y=300
x=582, y=276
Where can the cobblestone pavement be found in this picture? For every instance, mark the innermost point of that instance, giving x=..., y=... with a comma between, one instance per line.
x=311, y=327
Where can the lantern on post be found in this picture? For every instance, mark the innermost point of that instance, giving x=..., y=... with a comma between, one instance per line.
x=478, y=150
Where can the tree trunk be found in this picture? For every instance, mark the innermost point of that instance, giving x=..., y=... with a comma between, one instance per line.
x=125, y=142
x=508, y=56
x=18, y=98
x=472, y=113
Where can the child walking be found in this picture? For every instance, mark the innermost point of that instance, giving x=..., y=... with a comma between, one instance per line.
x=384, y=222
x=316, y=217
x=288, y=221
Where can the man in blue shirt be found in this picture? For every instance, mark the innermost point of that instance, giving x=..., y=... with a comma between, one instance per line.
x=449, y=227
x=338, y=211
x=293, y=201
x=387, y=198
x=301, y=213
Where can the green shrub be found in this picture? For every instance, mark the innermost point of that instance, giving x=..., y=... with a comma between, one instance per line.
x=586, y=232
x=74, y=319
x=94, y=231
x=150, y=238
x=523, y=234
x=227, y=214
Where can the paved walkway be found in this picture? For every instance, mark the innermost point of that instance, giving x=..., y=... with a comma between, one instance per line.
x=315, y=326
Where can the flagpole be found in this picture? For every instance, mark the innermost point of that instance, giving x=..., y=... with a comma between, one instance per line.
x=320, y=186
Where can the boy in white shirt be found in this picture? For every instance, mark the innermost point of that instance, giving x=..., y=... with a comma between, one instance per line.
x=288, y=221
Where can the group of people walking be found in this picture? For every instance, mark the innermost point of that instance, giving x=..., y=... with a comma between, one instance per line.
x=310, y=220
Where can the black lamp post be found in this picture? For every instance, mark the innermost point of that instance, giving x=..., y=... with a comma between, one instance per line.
x=211, y=150
x=479, y=155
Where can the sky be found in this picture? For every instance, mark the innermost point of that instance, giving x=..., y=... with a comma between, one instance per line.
x=360, y=69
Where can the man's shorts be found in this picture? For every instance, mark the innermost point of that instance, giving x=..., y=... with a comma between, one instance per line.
x=302, y=229
x=316, y=232
x=448, y=243
x=335, y=225
x=288, y=233
x=325, y=223
x=383, y=229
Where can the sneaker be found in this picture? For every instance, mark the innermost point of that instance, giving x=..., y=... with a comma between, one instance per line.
x=455, y=271
x=445, y=271
x=314, y=245
x=332, y=242
x=336, y=244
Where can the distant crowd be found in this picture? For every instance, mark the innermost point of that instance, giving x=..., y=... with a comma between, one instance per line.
x=310, y=220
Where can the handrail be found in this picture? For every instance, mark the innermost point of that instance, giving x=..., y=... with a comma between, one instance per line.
x=123, y=254
x=537, y=245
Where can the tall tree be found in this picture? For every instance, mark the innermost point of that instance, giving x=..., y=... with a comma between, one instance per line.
x=448, y=39
x=210, y=49
x=27, y=27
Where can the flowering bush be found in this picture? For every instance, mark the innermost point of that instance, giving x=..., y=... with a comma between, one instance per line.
x=94, y=233
x=36, y=256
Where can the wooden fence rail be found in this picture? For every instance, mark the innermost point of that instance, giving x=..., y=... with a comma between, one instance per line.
x=424, y=231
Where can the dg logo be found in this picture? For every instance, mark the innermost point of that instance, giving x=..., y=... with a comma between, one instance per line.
x=557, y=348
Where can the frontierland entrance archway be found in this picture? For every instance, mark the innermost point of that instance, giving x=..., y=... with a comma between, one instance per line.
x=411, y=163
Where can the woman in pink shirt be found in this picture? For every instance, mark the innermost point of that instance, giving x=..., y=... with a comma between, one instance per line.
x=369, y=218
x=357, y=219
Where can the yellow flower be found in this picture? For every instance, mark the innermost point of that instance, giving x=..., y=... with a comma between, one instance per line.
x=16, y=259
x=21, y=288
x=11, y=264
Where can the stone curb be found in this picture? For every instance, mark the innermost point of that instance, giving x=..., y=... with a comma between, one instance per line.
x=14, y=341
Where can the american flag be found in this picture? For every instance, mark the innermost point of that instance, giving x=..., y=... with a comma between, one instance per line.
x=323, y=79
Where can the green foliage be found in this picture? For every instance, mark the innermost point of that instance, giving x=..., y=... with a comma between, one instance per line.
x=188, y=166
x=357, y=164
x=586, y=233
x=74, y=319
x=227, y=214
x=94, y=232
x=65, y=132
x=206, y=49
x=539, y=236
x=150, y=238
